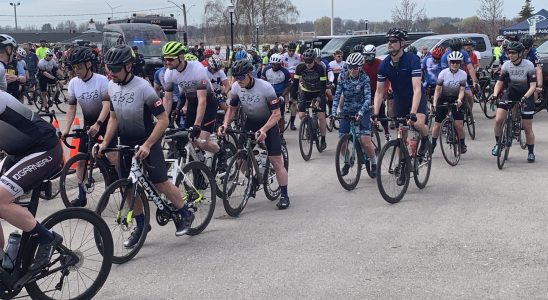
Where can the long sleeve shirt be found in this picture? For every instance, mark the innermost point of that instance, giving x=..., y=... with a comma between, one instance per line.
x=356, y=92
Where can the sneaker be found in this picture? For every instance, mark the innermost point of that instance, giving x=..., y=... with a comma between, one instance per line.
x=392, y=126
x=283, y=203
x=44, y=253
x=401, y=176
x=495, y=150
x=345, y=169
x=531, y=157
x=463, y=149
x=79, y=202
x=134, y=237
x=182, y=224
x=323, y=145
x=292, y=127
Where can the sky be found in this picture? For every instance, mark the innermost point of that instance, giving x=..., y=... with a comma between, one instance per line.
x=31, y=12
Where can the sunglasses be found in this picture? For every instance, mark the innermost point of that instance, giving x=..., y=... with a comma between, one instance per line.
x=512, y=52
x=308, y=61
x=50, y=55
x=170, y=58
x=392, y=41
x=115, y=68
x=353, y=67
x=455, y=62
x=291, y=50
x=240, y=77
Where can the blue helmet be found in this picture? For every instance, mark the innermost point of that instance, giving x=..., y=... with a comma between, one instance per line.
x=240, y=55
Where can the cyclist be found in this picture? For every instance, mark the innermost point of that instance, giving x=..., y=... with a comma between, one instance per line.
x=219, y=81
x=133, y=106
x=497, y=49
x=200, y=107
x=259, y=102
x=47, y=71
x=404, y=72
x=32, y=66
x=519, y=76
x=8, y=46
x=309, y=84
x=15, y=75
x=355, y=88
x=290, y=61
x=468, y=46
x=531, y=54
x=22, y=64
x=450, y=85
x=159, y=84
x=41, y=51
x=138, y=67
x=90, y=90
x=218, y=54
x=208, y=53
x=431, y=68
x=280, y=79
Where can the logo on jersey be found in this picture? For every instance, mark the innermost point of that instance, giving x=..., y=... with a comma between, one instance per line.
x=274, y=102
x=121, y=99
x=89, y=96
x=250, y=98
x=158, y=103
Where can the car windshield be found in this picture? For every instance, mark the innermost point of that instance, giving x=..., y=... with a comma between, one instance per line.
x=543, y=48
x=428, y=42
x=382, y=50
x=148, y=40
x=333, y=45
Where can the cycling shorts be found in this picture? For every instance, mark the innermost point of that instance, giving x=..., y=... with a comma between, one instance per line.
x=43, y=82
x=155, y=158
x=208, y=121
x=527, y=111
x=403, y=108
x=364, y=127
x=441, y=112
x=305, y=99
x=273, y=140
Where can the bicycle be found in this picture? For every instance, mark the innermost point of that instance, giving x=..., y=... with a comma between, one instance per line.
x=75, y=269
x=449, y=140
x=96, y=174
x=52, y=186
x=511, y=129
x=488, y=106
x=30, y=92
x=398, y=160
x=309, y=131
x=117, y=202
x=249, y=168
x=56, y=94
x=469, y=120
x=356, y=157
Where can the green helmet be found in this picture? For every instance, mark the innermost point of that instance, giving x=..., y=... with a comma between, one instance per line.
x=190, y=57
x=173, y=49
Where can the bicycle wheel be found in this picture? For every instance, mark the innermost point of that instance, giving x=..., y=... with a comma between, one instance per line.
x=198, y=186
x=449, y=142
x=422, y=165
x=389, y=168
x=120, y=220
x=306, y=140
x=238, y=184
x=60, y=100
x=470, y=123
x=315, y=129
x=376, y=140
x=490, y=108
x=229, y=151
x=329, y=125
x=69, y=181
x=38, y=104
x=522, y=139
x=285, y=155
x=348, y=162
x=88, y=239
x=504, y=144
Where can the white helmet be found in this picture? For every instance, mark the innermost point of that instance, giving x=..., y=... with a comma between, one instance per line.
x=275, y=59
x=455, y=55
x=355, y=59
x=318, y=52
x=369, y=49
x=21, y=52
x=49, y=52
x=7, y=40
x=249, y=57
x=500, y=38
x=215, y=63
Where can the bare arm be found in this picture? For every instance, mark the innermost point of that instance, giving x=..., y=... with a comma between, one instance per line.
x=379, y=97
x=159, y=129
x=71, y=113
x=202, y=103
x=272, y=121
x=168, y=101
x=416, y=94
x=437, y=93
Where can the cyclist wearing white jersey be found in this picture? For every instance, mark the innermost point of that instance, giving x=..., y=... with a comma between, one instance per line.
x=290, y=60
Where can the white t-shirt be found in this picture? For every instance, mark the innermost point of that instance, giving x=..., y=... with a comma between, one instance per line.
x=217, y=79
x=291, y=62
x=90, y=95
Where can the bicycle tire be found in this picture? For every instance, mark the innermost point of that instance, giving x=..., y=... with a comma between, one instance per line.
x=285, y=155
x=60, y=101
x=269, y=177
x=470, y=123
x=38, y=104
x=522, y=139
x=198, y=188
x=96, y=188
x=422, y=161
x=376, y=140
x=315, y=129
x=449, y=143
x=230, y=150
x=108, y=209
x=503, y=145
x=98, y=232
x=387, y=170
x=329, y=125
x=490, y=108
x=305, y=135
x=240, y=162
x=347, y=143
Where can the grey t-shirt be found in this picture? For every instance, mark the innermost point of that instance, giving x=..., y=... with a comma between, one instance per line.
x=3, y=81
x=517, y=78
x=90, y=95
x=44, y=65
x=451, y=83
x=257, y=102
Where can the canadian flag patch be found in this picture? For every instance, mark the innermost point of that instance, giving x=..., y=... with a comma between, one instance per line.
x=275, y=101
x=158, y=103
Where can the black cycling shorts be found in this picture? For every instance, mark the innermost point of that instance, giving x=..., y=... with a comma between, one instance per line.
x=43, y=82
x=273, y=140
x=158, y=174
x=305, y=99
x=441, y=112
x=528, y=109
x=24, y=173
x=402, y=109
x=208, y=122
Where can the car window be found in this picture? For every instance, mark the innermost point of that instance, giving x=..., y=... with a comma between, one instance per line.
x=543, y=48
x=480, y=43
x=428, y=42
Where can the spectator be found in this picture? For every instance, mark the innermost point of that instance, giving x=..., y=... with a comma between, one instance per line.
x=32, y=66
x=41, y=51
x=138, y=68
x=200, y=51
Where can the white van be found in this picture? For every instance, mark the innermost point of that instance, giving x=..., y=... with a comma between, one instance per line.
x=483, y=44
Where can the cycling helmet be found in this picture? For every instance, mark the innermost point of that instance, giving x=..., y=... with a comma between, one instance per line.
x=240, y=55
x=527, y=41
x=505, y=44
x=209, y=52
x=369, y=49
x=318, y=52
x=512, y=38
x=412, y=49
x=292, y=46
x=190, y=57
x=467, y=42
x=455, y=44
x=397, y=33
x=215, y=63
x=455, y=55
x=355, y=59
x=437, y=52
x=49, y=52
x=515, y=46
x=358, y=48
x=241, y=67
x=275, y=59
x=249, y=57
x=309, y=54
x=119, y=55
x=21, y=52
x=252, y=49
x=173, y=49
x=80, y=55
x=500, y=38
x=7, y=40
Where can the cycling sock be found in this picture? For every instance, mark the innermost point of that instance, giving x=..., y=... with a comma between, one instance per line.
x=497, y=139
x=42, y=234
x=184, y=211
x=374, y=160
x=140, y=219
x=292, y=120
x=530, y=148
x=462, y=143
x=81, y=192
x=434, y=142
x=283, y=190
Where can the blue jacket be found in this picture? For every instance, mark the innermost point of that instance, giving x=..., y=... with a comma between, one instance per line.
x=356, y=92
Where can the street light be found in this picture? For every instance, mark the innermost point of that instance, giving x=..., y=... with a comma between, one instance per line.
x=185, y=28
x=257, y=29
x=231, y=11
x=367, y=26
x=15, y=4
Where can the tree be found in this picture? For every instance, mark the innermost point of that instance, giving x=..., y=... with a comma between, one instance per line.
x=406, y=14
x=526, y=11
x=47, y=27
x=490, y=13
x=322, y=26
x=471, y=24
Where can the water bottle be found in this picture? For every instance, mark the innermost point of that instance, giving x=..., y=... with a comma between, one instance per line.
x=412, y=146
x=11, y=250
x=200, y=154
x=208, y=159
x=261, y=161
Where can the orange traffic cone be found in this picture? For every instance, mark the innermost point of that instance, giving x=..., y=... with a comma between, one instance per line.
x=75, y=142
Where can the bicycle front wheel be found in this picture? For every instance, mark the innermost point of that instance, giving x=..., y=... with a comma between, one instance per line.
x=393, y=172
x=449, y=142
x=504, y=144
x=348, y=162
x=422, y=164
x=490, y=107
x=198, y=186
x=114, y=208
x=470, y=123
x=60, y=100
x=237, y=184
x=80, y=272
x=306, y=140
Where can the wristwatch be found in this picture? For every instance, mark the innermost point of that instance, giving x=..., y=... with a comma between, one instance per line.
x=99, y=122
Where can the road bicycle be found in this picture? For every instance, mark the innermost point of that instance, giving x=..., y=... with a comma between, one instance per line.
x=309, y=131
x=56, y=94
x=395, y=163
x=469, y=120
x=511, y=130
x=350, y=156
x=448, y=138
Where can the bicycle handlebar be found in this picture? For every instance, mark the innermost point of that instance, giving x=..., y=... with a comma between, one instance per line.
x=50, y=114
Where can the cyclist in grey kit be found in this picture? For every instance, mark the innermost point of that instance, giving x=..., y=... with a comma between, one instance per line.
x=134, y=103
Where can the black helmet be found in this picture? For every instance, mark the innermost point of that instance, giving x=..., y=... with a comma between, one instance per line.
x=241, y=67
x=527, y=41
x=397, y=33
x=358, y=48
x=80, y=55
x=412, y=49
x=119, y=55
x=292, y=46
x=455, y=44
x=309, y=54
x=515, y=46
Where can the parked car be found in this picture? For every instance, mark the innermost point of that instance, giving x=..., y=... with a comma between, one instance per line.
x=542, y=51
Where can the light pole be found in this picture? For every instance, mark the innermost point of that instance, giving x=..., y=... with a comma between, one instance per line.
x=231, y=11
x=15, y=4
x=257, y=29
x=185, y=28
x=367, y=26
x=332, y=14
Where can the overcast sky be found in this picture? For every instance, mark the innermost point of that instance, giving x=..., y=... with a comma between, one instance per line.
x=373, y=10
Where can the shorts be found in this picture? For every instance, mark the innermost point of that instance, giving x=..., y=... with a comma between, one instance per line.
x=441, y=112
x=43, y=82
x=28, y=172
x=527, y=110
x=273, y=140
x=305, y=99
x=402, y=109
x=208, y=122
x=157, y=174
x=364, y=127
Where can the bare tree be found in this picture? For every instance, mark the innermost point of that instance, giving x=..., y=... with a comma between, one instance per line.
x=406, y=14
x=490, y=13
